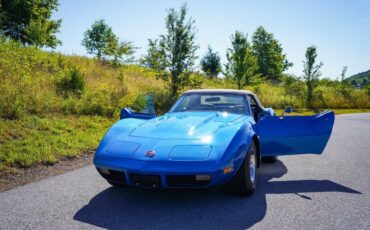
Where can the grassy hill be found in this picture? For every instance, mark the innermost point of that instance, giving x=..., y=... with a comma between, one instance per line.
x=44, y=118
x=360, y=77
x=40, y=125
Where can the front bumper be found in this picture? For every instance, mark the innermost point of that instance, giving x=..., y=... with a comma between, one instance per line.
x=162, y=174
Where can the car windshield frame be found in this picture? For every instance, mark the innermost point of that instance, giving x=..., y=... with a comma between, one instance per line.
x=186, y=96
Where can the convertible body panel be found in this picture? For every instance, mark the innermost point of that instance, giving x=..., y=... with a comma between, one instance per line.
x=190, y=143
x=206, y=145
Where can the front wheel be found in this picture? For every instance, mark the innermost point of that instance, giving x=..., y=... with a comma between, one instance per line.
x=244, y=181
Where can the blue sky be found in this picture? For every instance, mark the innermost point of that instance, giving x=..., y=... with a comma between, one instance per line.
x=340, y=29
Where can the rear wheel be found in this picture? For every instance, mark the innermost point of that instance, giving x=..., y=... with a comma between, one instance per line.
x=269, y=160
x=244, y=181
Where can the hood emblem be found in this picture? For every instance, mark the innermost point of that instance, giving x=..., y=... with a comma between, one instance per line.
x=150, y=153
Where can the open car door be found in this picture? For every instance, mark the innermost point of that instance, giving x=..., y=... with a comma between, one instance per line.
x=289, y=135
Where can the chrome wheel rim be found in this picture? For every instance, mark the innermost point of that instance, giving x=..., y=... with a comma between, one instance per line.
x=252, y=167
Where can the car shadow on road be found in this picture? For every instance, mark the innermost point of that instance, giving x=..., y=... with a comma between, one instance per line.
x=116, y=208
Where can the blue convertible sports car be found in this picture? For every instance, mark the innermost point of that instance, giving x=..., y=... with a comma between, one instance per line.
x=209, y=138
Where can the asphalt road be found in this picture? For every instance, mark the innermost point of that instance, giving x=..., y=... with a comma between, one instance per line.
x=331, y=191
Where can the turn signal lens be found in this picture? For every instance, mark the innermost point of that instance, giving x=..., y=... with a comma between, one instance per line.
x=228, y=169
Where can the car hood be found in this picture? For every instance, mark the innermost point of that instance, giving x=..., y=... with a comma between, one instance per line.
x=194, y=136
x=185, y=125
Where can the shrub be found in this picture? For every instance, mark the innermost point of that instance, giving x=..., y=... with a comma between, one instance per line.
x=70, y=105
x=162, y=101
x=140, y=103
x=73, y=83
x=97, y=102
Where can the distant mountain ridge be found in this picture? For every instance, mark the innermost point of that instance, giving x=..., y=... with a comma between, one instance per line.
x=359, y=77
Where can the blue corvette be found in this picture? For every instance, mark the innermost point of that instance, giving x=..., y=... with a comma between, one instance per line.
x=209, y=138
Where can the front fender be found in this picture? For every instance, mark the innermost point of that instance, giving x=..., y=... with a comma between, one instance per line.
x=237, y=149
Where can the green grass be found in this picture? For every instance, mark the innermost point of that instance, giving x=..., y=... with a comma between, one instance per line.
x=36, y=140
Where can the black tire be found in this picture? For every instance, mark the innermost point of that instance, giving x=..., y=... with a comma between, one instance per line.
x=115, y=184
x=269, y=160
x=241, y=183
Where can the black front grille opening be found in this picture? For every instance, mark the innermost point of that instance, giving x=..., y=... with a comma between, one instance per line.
x=113, y=175
x=152, y=181
x=185, y=180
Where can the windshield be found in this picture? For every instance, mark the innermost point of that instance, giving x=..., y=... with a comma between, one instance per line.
x=222, y=102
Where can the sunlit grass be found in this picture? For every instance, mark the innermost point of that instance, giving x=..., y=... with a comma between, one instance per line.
x=34, y=140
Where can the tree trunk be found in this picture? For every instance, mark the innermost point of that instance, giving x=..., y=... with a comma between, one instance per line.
x=174, y=86
x=309, y=94
x=239, y=84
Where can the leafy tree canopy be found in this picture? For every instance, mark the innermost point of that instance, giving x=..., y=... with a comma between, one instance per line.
x=311, y=72
x=118, y=50
x=269, y=52
x=173, y=54
x=242, y=63
x=28, y=21
x=211, y=64
x=101, y=41
x=97, y=38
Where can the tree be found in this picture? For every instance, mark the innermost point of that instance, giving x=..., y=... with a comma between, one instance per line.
x=344, y=87
x=364, y=82
x=294, y=87
x=211, y=64
x=156, y=56
x=117, y=50
x=242, y=63
x=271, y=60
x=101, y=41
x=343, y=73
x=311, y=72
x=97, y=39
x=354, y=83
x=173, y=54
x=29, y=22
